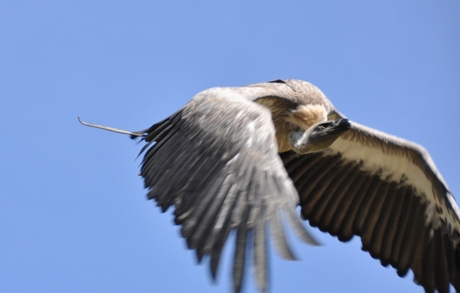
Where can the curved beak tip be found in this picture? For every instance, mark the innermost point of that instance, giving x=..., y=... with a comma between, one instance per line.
x=343, y=124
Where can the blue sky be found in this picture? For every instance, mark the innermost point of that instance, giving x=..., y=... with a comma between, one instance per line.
x=73, y=212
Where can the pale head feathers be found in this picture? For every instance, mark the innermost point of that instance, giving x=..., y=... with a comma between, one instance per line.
x=305, y=116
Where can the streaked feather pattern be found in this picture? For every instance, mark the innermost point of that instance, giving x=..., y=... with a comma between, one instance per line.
x=225, y=162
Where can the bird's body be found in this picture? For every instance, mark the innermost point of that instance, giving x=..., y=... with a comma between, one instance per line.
x=243, y=158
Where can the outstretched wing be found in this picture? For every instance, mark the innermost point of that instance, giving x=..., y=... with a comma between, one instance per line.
x=216, y=161
x=389, y=192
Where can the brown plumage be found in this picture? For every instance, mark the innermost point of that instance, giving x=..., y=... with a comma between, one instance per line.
x=243, y=158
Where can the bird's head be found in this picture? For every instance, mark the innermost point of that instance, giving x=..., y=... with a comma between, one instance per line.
x=320, y=135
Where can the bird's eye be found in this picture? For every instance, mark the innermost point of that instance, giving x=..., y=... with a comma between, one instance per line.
x=323, y=126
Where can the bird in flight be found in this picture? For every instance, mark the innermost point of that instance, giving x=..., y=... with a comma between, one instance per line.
x=241, y=159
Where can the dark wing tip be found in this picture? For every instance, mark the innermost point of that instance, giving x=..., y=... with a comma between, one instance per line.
x=457, y=256
x=277, y=81
x=134, y=136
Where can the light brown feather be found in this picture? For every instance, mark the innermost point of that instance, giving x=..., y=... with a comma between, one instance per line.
x=287, y=117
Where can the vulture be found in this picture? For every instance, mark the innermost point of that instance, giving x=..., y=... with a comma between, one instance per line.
x=241, y=159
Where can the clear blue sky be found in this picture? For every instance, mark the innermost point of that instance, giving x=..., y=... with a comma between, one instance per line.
x=73, y=212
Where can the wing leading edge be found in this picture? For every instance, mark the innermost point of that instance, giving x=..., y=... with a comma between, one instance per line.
x=387, y=191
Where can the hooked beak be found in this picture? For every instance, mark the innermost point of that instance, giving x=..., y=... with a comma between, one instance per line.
x=340, y=125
